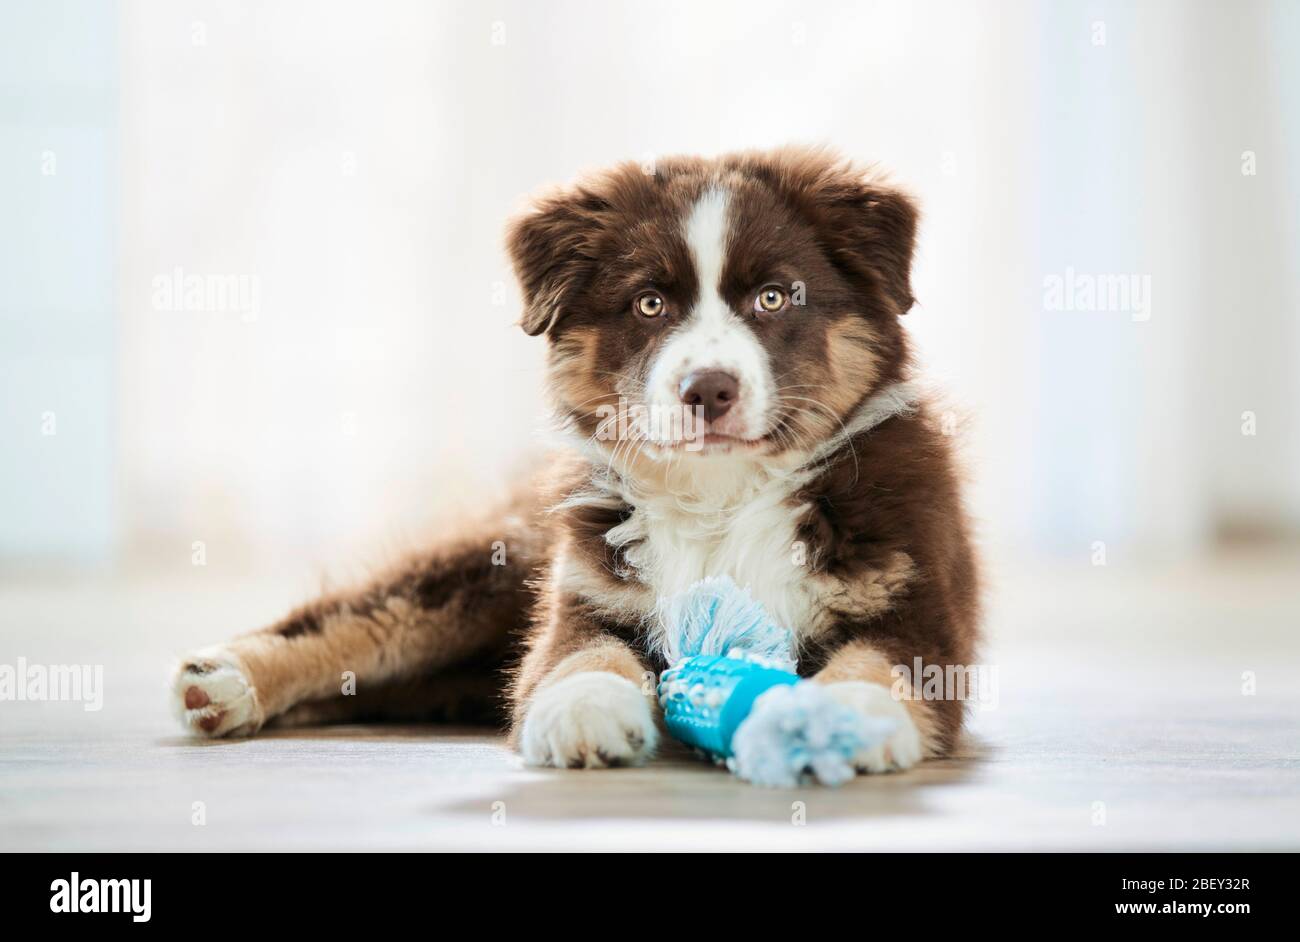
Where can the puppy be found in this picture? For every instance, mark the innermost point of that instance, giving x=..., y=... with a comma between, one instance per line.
x=726, y=356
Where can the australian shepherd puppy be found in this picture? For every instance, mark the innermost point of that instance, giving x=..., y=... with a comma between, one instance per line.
x=725, y=352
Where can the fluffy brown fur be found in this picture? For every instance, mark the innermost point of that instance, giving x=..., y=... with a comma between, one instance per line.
x=885, y=572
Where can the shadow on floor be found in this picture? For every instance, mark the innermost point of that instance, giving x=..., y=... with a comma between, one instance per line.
x=678, y=785
x=378, y=732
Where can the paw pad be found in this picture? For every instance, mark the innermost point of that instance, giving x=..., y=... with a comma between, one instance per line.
x=215, y=698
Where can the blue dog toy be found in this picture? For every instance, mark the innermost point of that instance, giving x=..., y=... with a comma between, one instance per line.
x=732, y=693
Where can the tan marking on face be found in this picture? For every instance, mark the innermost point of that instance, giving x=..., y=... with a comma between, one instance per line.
x=853, y=363
x=860, y=661
x=573, y=374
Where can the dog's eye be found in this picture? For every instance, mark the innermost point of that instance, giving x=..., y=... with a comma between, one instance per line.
x=650, y=304
x=770, y=300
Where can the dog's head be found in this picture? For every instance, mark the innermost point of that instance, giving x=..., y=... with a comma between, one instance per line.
x=741, y=305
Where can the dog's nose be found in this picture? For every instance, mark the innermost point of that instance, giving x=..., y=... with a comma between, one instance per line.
x=712, y=390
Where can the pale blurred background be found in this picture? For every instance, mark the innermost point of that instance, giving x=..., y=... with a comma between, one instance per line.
x=174, y=470
x=353, y=164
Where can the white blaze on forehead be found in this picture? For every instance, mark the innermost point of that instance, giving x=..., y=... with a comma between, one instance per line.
x=706, y=236
x=713, y=336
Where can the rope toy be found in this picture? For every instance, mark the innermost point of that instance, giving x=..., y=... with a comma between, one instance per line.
x=732, y=693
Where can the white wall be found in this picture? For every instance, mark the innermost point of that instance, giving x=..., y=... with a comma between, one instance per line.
x=58, y=190
x=358, y=161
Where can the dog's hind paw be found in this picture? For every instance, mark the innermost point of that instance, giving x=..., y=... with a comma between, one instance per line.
x=214, y=697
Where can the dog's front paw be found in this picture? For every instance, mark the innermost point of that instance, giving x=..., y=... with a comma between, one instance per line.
x=214, y=697
x=589, y=720
x=902, y=749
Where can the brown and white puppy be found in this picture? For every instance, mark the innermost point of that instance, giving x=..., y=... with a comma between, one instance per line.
x=726, y=354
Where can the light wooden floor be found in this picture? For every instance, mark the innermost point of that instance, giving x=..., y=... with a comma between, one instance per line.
x=1120, y=695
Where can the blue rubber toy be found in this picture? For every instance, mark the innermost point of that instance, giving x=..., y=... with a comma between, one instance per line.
x=732, y=692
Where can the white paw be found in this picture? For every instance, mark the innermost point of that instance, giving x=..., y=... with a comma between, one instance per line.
x=902, y=749
x=589, y=720
x=213, y=696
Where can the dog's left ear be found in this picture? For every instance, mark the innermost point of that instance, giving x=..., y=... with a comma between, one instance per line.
x=878, y=240
x=550, y=249
x=867, y=225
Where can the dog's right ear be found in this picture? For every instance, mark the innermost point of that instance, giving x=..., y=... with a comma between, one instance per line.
x=551, y=249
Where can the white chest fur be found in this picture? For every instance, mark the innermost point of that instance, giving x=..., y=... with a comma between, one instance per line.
x=747, y=533
x=737, y=518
